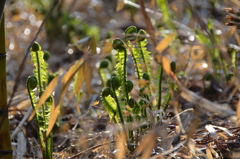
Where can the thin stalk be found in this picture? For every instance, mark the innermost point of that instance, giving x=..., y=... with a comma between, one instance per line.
x=2, y=5
x=143, y=58
x=125, y=74
x=49, y=146
x=101, y=77
x=36, y=116
x=5, y=142
x=160, y=88
x=135, y=63
x=118, y=105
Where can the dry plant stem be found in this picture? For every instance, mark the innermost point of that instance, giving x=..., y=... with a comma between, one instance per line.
x=21, y=123
x=178, y=119
x=149, y=25
x=122, y=137
x=191, y=131
x=169, y=151
x=157, y=15
x=233, y=11
x=5, y=142
x=91, y=148
x=202, y=102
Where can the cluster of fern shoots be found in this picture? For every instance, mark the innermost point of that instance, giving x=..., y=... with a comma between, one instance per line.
x=116, y=95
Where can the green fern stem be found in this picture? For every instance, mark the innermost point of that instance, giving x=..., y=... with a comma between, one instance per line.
x=135, y=62
x=146, y=63
x=130, y=35
x=37, y=120
x=49, y=146
x=163, y=5
x=102, y=76
x=118, y=105
x=143, y=57
x=125, y=75
x=121, y=57
x=142, y=103
x=160, y=72
x=166, y=101
x=39, y=72
x=31, y=84
x=40, y=136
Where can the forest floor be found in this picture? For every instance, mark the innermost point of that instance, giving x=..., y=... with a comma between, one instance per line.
x=202, y=117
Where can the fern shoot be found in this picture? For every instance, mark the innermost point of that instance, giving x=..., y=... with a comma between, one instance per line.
x=130, y=35
x=142, y=51
x=121, y=57
x=38, y=61
x=40, y=81
x=102, y=72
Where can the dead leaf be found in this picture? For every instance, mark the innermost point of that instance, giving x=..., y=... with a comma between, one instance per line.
x=79, y=79
x=21, y=106
x=142, y=83
x=196, y=52
x=120, y=6
x=162, y=45
x=238, y=113
x=88, y=78
x=208, y=153
x=107, y=47
x=166, y=64
x=95, y=103
x=147, y=145
x=53, y=117
x=230, y=32
x=92, y=46
x=45, y=95
x=153, y=3
x=61, y=90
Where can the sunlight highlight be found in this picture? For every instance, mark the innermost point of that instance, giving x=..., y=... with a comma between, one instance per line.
x=204, y=65
x=27, y=31
x=70, y=51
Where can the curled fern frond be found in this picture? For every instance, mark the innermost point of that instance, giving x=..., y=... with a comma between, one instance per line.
x=31, y=84
x=135, y=106
x=130, y=33
x=109, y=104
x=38, y=61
